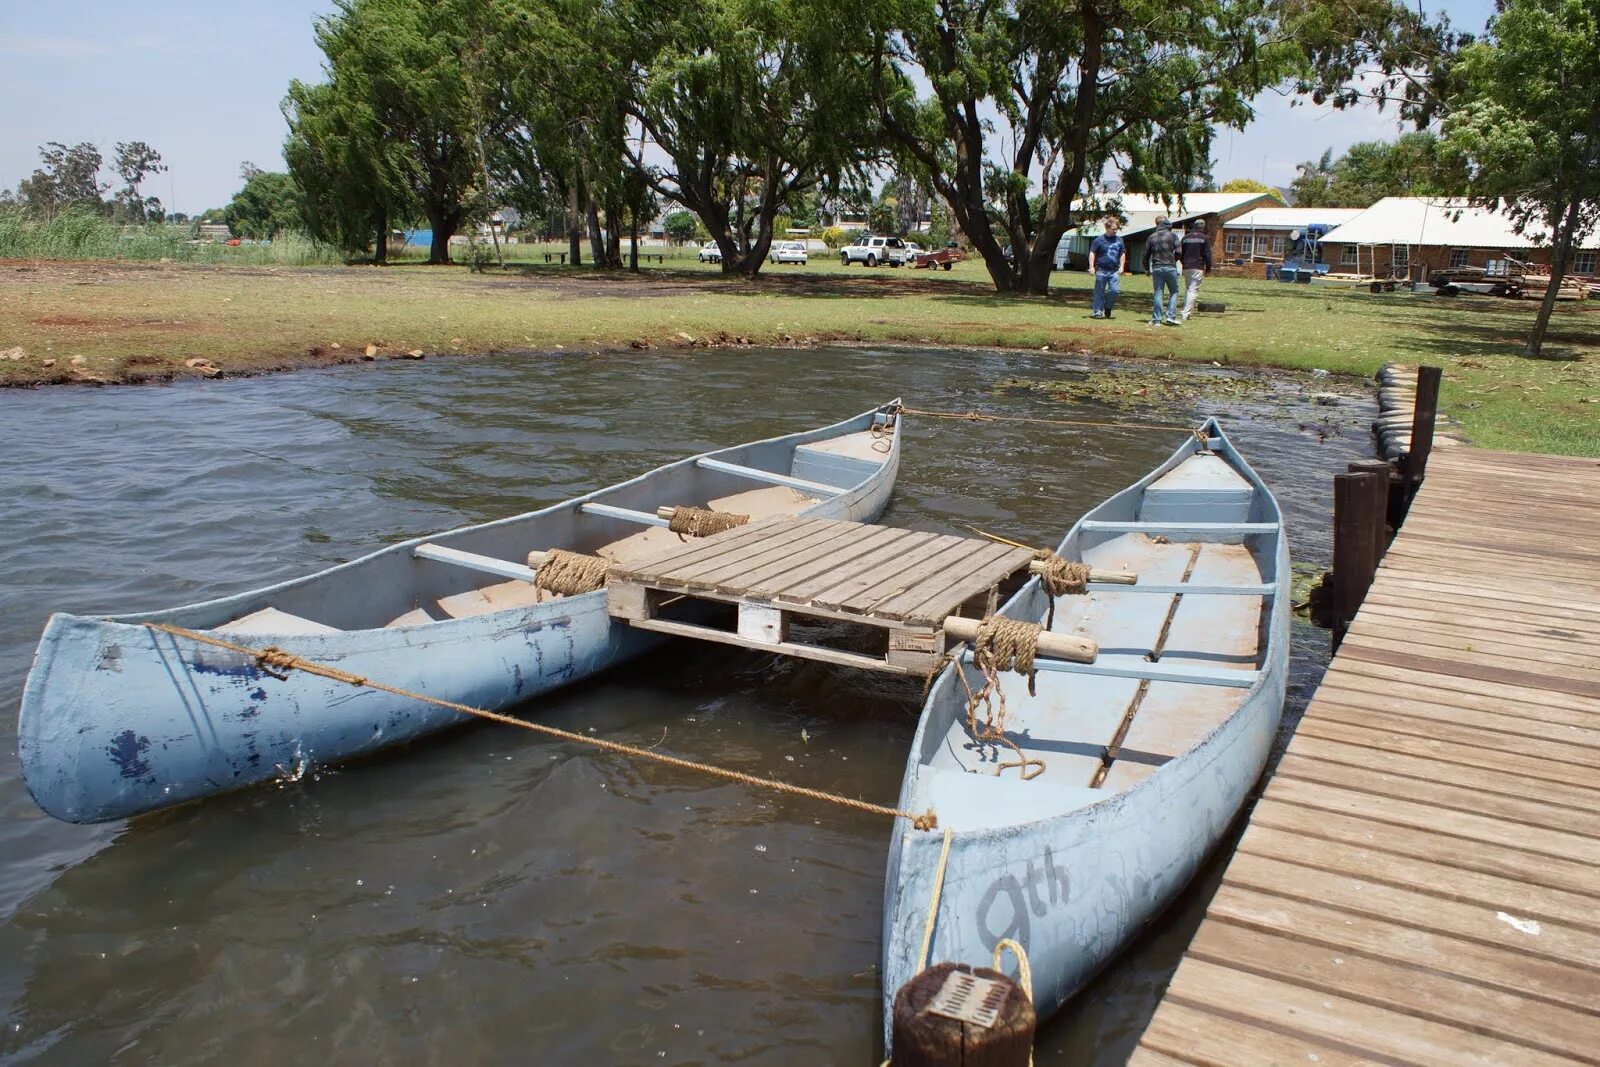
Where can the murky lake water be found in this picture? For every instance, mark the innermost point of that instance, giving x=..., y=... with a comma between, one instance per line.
x=488, y=895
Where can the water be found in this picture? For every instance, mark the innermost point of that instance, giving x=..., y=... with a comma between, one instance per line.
x=487, y=894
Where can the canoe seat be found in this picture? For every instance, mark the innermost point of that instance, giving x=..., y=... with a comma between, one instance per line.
x=272, y=621
x=500, y=597
x=843, y=461
x=978, y=800
x=1203, y=488
x=418, y=616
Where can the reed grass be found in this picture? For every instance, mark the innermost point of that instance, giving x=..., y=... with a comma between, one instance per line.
x=84, y=235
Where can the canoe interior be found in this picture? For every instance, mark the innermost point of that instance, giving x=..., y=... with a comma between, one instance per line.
x=395, y=588
x=1074, y=718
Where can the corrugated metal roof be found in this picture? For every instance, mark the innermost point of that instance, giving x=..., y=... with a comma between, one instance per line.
x=1181, y=206
x=1422, y=220
x=1292, y=218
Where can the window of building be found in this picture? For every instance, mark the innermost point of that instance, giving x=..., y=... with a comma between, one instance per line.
x=1458, y=257
x=1230, y=244
x=1277, y=245
x=1400, y=258
x=1349, y=256
x=1583, y=263
x=1247, y=245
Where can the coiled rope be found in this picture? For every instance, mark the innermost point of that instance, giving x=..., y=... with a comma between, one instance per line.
x=703, y=522
x=274, y=661
x=570, y=573
x=1059, y=577
x=1001, y=644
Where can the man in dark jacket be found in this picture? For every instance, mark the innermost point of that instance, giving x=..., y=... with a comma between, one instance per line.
x=1161, y=257
x=1195, y=252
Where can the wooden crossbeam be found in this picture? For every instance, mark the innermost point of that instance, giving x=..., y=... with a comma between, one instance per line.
x=474, y=561
x=625, y=514
x=755, y=475
x=1134, y=668
x=1174, y=529
x=1171, y=588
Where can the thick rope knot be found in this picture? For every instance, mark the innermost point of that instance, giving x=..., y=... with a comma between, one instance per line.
x=1061, y=577
x=1007, y=644
x=926, y=821
x=703, y=522
x=570, y=573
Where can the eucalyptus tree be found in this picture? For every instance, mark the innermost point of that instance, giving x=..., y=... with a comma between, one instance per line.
x=134, y=162
x=751, y=104
x=994, y=101
x=353, y=179
x=400, y=61
x=1526, y=114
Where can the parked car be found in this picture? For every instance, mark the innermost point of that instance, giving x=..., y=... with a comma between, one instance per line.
x=789, y=252
x=873, y=251
x=710, y=253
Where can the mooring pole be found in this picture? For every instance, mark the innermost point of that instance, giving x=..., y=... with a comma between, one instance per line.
x=1386, y=482
x=936, y=1026
x=1356, y=515
x=1414, y=464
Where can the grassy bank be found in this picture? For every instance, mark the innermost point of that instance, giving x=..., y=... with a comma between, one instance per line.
x=128, y=321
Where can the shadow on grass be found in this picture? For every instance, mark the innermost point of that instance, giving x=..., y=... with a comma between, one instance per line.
x=1574, y=334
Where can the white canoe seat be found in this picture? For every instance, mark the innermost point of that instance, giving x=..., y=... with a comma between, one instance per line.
x=1202, y=487
x=843, y=461
x=418, y=616
x=977, y=800
x=271, y=621
x=764, y=503
x=859, y=445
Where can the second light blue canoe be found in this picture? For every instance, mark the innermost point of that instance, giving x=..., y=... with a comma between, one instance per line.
x=1146, y=755
x=118, y=719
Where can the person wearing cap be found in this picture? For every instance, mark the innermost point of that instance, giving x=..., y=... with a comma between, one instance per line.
x=1161, y=256
x=1105, y=259
x=1195, y=253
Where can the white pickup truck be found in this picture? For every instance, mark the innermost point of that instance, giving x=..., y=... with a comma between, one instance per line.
x=875, y=250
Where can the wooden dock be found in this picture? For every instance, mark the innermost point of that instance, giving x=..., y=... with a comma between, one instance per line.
x=1420, y=882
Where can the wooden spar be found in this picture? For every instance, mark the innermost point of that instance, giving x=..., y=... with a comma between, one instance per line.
x=772, y=478
x=1056, y=646
x=625, y=514
x=1134, y=667
x=476, y=562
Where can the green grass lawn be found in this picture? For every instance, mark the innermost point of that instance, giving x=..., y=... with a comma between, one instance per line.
x=119, y=321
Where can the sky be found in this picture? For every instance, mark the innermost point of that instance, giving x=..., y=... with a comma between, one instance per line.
x=201, y=82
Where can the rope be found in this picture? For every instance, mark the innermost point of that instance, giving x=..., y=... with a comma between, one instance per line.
x=933, y=903
x=978, y=416
x=1059, y=577
x=1024, y=972
x=1001, y=644
x=570, y=573
x=702, y=522
x=273, y=660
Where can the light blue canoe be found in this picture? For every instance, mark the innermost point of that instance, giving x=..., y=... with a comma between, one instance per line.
x=118, y=719
x=1068, y=864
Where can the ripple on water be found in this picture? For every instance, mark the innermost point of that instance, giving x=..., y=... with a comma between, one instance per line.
x=513, y=894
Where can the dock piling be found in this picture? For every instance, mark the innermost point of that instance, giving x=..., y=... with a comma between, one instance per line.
x=925, y=1037
x=1358, y=513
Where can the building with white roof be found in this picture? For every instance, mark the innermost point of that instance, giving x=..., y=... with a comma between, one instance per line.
x=1412, y=236
x=1264, y=232
x=1139, y=212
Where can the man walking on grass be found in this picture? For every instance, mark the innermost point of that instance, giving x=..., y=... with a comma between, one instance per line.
x=1195, y=252
x=1161, y=256
x=1105, y=259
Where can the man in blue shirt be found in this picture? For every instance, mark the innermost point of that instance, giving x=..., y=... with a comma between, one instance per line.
x=1105, y=259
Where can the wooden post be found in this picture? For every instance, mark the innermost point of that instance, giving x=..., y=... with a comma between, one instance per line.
x=1415, y=464
x=925, y=1039
x=1386, y=483
x=1355, y=554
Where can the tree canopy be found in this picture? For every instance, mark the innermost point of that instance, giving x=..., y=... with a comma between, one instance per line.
x=1415, y=164
x=268, y=204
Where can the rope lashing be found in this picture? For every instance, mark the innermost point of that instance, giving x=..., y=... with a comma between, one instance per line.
x=933, y=903
x=274, y=660
x=1059, y=577
x=1024, y=971
x=570, y=573
x=703, y=522
x=1002, y=644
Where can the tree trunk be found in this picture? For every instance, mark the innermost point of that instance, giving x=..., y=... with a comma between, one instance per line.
x=1558, y=270
x=380, y=254
x=633, y=241
x=597, y=247
x=574, y=225
x=444, y=221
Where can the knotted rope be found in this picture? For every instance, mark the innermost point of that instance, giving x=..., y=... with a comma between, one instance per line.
x=570, y=573
x=273, y=661
x=1059, y=577
x=1002, y=644
x=703, y=522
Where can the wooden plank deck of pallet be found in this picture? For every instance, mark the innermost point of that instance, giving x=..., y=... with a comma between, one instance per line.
x=902, y=582
x=1420, y=882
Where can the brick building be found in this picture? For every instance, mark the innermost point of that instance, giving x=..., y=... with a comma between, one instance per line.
x=1412, y=236
x=1263, y=234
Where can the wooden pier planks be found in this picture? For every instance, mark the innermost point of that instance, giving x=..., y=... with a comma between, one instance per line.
x=1420, y=881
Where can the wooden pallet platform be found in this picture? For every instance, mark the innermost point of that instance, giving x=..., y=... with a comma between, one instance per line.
x=1420, y=882
x=777, y=570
